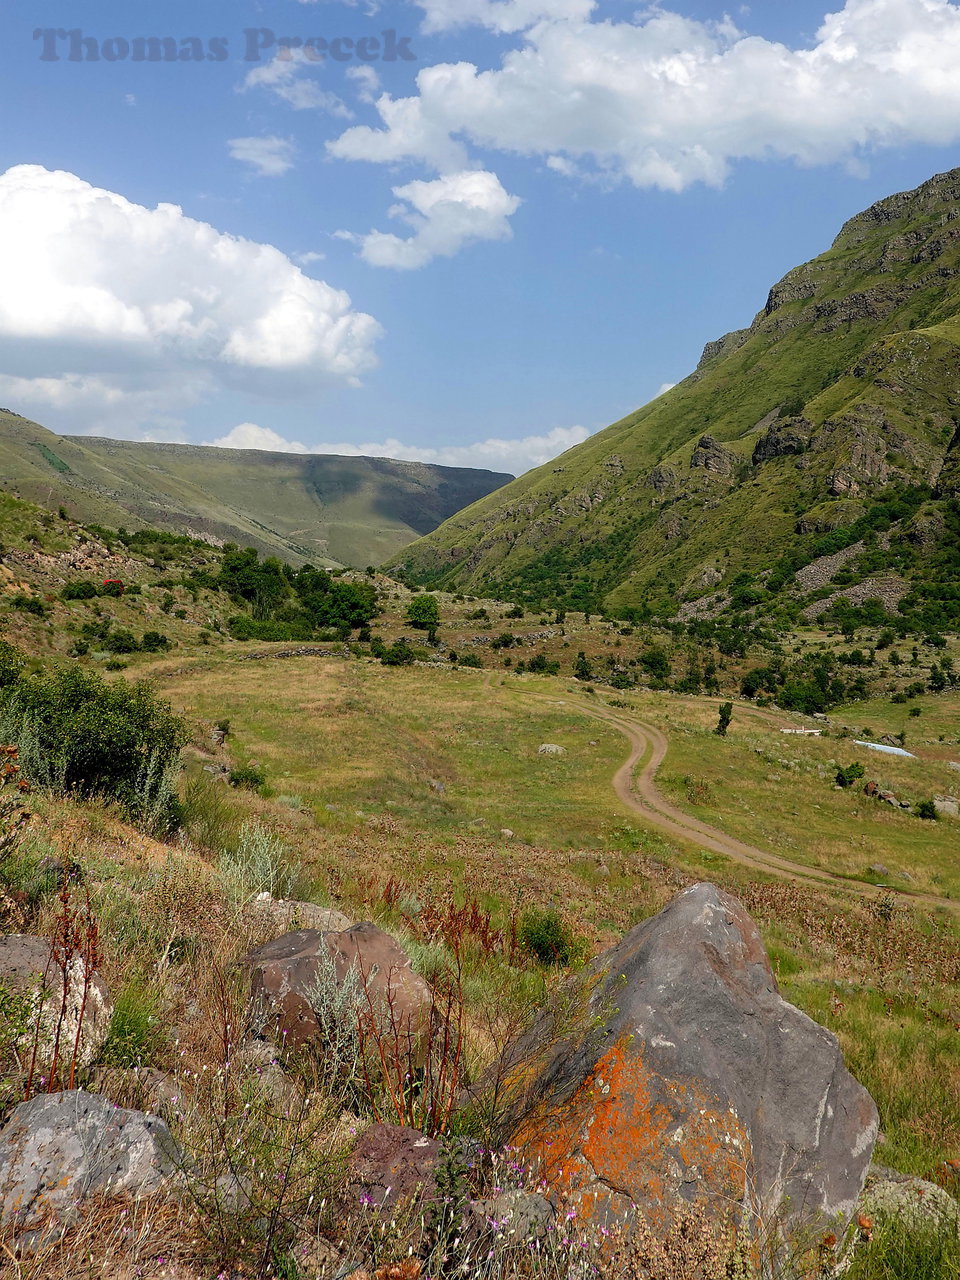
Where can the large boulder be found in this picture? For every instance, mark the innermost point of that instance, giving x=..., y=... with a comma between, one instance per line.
x=279, y=914
x=305, y=981
x=59, y=1149
x=680, y=1076
x=62, y=1005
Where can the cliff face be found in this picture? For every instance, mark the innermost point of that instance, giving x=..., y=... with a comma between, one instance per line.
x=846, y=385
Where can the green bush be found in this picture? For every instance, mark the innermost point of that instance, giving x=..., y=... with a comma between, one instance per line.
x=928, y=810
x=543, y=935
x=79, y=591
x=847, y=776
x=248, y=777
x=79, y=734
x=12, y=663
x=154, y=642
x=29, y=604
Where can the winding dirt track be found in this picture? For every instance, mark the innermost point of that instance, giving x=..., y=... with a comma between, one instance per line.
x=638, y=791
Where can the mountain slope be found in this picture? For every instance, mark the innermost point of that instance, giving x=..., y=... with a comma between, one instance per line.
x=846, y=386
x=352, y=511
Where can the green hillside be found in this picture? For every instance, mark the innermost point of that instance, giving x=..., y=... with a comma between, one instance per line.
x=830, y=423
x=333, y=510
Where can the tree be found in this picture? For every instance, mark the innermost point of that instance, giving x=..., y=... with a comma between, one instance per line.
x=582, y=669
x=726, y=715
x=423, y=612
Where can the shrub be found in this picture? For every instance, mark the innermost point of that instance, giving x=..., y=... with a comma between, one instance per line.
x=544, y=935
x=122, y=641
x=80, y=734
x=154, y=642
x=470, y=660
x=399, y=654
x=847, y=776
x=29, y=604
x=247, y=776
x=927, y=809
x=12, y=663
x=259, y=864
x=79, y=591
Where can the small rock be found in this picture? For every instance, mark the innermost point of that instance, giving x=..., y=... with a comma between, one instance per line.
x=912, y=1203
x=288, y=917
x=948, y=806
x=551, y=749
x=878, y=869
x=506, y=833
x=391, y=1165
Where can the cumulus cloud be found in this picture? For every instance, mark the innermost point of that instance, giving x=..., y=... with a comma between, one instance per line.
x=106, y=301
x=513, y=456
x=500, y=15
x=445, y=215
x=666, y=101
x=291, y=77
x=270, y=157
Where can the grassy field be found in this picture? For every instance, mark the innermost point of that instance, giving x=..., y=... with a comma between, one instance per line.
x=375, y=773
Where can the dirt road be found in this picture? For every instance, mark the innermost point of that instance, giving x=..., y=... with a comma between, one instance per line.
x=638, y=791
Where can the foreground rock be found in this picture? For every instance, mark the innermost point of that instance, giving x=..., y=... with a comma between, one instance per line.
x=391, y=1166
x=304, y=981
x=916, y=1206
x=289, y=916
x=684, y=1077
x=65, y=999
x=59, y=1149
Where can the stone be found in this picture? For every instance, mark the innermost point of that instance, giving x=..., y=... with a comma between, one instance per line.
x=60, y=1149
x=551, y=749
x=879, y=869
x=506, y=833
x=288, y=917
x=288, y=977
x=684, y=1077
x=947, y=806
x=27, y=969
x=514, y=1216
x=392, y=1165
x=914, y=1204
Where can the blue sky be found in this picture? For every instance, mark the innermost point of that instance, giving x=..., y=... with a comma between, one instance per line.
x=475, y=257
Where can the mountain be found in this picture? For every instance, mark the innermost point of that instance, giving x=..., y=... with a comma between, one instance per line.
x=348, y=511
x=829, y=427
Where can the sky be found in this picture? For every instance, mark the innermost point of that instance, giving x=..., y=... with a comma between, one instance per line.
x=470, y=232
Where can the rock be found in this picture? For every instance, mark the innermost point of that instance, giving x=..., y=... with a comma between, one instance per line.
x=392, y=1165
x=506, y=833
x=28, y=969
x=290, y=916
x=256, y=1063
x=356, y=969
x=141, y=1088
x=687, y=1078
x=59, y=1149
x=871, y=789
x=515, y=1215
x=713, y=457
x=948, y=806
x=878, y=869
x=914, y=1204
x=551, y=749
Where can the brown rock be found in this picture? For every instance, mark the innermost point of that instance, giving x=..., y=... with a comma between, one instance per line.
x=393, y=1165
x=287, y=973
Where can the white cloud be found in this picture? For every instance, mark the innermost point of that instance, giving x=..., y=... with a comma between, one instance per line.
x=291, y=77
x=366, y=79
x=513, y=456
x=270, y=157
x=105, y=302
x=445, y=215
x=664, y=388
x=666, y=101
x=500, y=15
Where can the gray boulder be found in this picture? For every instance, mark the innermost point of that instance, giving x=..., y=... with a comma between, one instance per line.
x=914, y=1205
x=551, y=749
x=57, y=1000
x=287, y=916
x=59, y=1149
x=679, y=1075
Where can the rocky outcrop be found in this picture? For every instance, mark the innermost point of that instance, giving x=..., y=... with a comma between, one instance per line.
x=301, y=980
x=791, y=436
x=724, y=346
x=392, y=1165
x=71, y=1007
x=711, y=456
x=686, y=1078
x=60, y=1149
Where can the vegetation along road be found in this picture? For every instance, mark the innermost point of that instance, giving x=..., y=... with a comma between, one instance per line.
x=638, y=791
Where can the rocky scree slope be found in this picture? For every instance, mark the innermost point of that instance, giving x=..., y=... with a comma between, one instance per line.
x=845, y=387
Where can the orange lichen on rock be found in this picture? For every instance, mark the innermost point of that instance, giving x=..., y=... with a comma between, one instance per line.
x=628, y=1136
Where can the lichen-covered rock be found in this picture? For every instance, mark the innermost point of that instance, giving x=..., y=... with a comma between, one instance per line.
x=61, y=1002
x=685, y=1078
x=59, y=1149
x=280, y=913
x=303, y=979
x=913, y=1204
